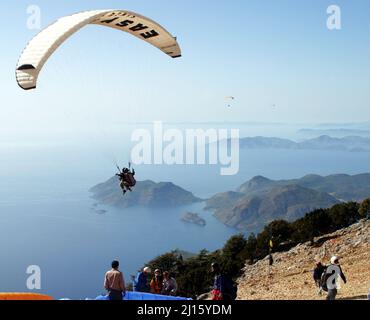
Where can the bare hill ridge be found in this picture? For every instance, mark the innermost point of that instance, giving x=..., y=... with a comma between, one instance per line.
x=261, y=200
x=291, y=275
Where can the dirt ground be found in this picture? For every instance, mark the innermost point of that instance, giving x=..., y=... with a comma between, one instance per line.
x=291, y=276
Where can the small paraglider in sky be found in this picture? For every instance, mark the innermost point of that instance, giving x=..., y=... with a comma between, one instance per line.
x=230, y=100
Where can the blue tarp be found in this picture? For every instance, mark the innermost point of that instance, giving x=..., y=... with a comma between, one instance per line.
x=145, y=297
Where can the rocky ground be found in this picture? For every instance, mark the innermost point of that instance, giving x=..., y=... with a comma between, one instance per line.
x=290, y=278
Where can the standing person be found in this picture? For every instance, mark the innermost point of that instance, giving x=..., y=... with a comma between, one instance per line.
x=331, y=277
x=156, y=284
x=114, y=283
x=223, y=288
x=169, y=285
x=317, y=275
x=141, y=280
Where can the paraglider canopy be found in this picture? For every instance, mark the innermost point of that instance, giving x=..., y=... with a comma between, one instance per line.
x=41, y=47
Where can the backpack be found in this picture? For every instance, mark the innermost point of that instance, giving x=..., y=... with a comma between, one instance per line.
x=324, y=279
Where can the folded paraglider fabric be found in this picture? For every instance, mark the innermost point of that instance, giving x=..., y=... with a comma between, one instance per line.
x=24, y=296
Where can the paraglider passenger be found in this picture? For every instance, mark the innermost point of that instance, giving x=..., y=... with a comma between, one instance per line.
x=114, y=283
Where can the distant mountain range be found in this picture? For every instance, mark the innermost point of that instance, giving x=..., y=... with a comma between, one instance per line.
x=146, y=194
x=341, y=186
x=336, y=132
x=261, y=200
x=338, y=129
x=325, y=142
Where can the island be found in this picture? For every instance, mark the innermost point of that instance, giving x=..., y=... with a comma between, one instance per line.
x=98, y=211
x=194, y=218
x=261, y=200
x=147, y=194
x=323, y=142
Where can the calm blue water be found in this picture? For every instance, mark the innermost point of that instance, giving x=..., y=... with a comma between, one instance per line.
x=46, y=215
x=74, y=246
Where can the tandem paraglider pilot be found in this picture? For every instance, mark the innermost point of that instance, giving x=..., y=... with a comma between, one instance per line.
x=127, y=179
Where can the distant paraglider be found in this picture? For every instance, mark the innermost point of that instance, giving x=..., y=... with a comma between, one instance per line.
x=41, y=47
x=229, y=100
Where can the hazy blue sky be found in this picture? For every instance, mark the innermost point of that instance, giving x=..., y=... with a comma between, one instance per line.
x=261, y=52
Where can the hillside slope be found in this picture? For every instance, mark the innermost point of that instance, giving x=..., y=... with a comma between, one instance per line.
x=291, y=275
x=261, y=200
x=344, y=187
x=289, y=202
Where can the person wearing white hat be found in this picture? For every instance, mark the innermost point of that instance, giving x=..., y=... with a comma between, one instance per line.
x=334, y=260
x=334, y=269
x=141, y=280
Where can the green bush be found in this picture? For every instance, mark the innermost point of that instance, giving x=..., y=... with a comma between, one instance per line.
x=364, y=210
